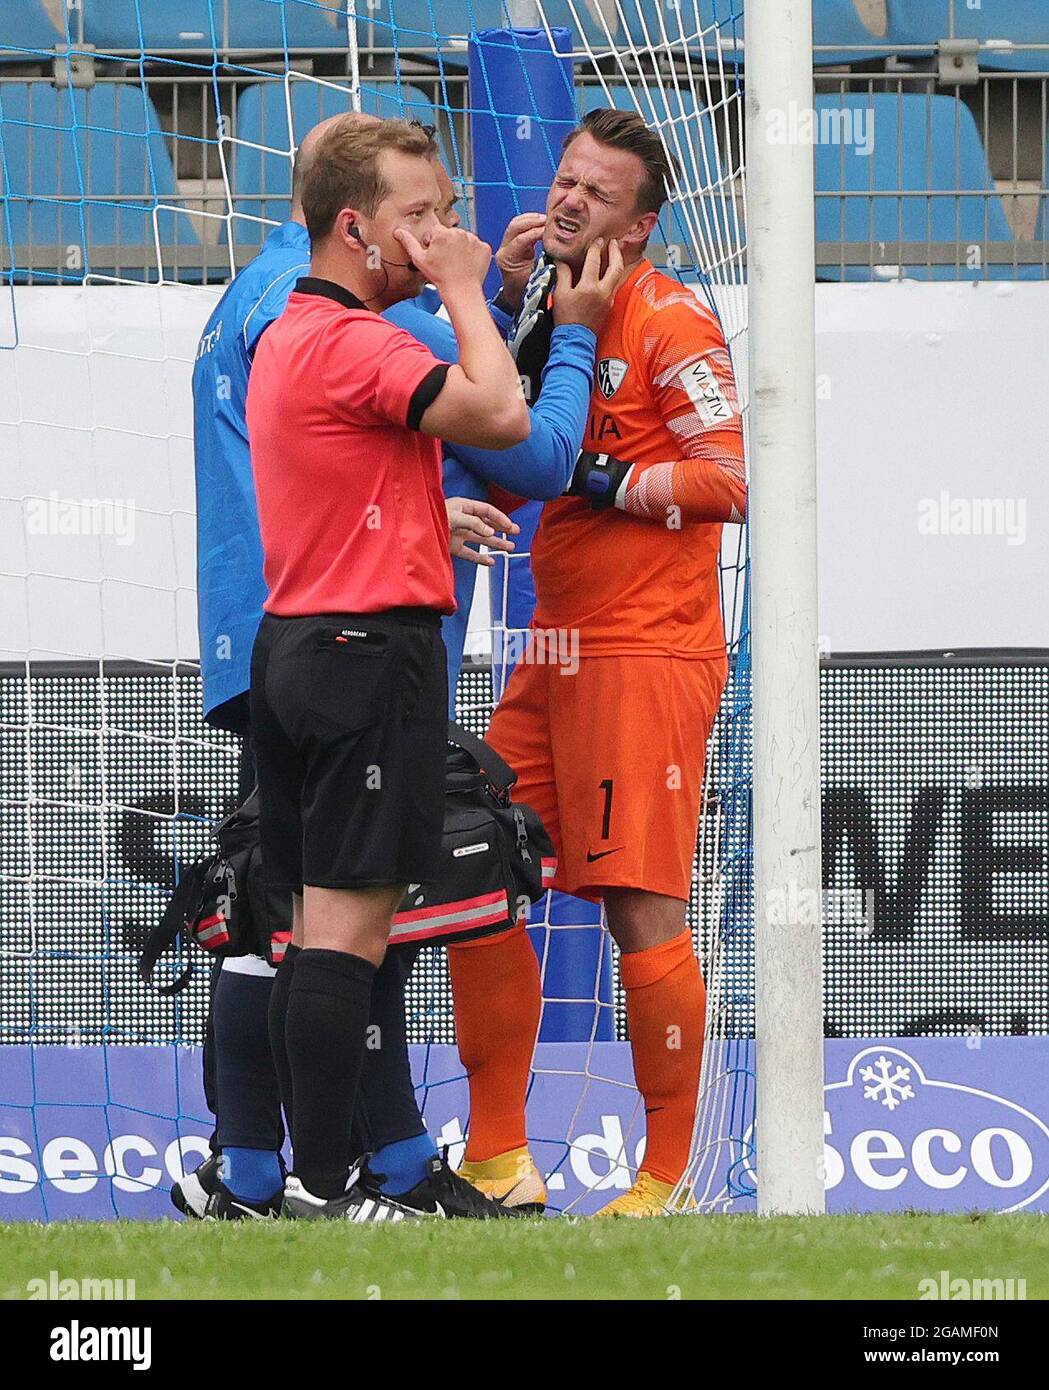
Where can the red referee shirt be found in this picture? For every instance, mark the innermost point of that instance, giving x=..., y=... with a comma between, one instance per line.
x=350, y=503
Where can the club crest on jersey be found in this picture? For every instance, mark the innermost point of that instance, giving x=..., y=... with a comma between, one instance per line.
x=610, y=374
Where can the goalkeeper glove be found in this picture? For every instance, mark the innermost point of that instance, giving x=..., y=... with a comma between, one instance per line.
x=532, y=329
x=601, y=479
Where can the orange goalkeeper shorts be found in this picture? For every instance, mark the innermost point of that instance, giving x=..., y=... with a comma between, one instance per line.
x=611, y=756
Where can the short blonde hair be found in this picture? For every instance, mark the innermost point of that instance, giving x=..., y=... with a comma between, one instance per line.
x=344, y=171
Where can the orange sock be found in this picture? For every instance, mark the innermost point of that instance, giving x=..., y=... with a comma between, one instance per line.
x=666, y=1003
x=498, y=999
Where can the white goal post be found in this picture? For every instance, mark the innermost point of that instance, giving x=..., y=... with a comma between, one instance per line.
x=784, y=619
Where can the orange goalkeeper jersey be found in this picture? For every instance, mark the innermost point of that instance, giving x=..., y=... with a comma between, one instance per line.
x=664, y=400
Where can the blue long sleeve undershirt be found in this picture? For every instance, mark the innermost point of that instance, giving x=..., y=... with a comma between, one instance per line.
x=541, y=467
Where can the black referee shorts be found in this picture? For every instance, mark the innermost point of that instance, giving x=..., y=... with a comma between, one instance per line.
x=349, y=715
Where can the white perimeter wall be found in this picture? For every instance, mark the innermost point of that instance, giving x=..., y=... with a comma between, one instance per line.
x=931, y=397
x=928, y=390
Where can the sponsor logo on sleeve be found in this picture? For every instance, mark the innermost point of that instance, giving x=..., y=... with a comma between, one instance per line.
x=700, y=384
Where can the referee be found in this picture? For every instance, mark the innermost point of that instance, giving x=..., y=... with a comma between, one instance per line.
x=348, y=686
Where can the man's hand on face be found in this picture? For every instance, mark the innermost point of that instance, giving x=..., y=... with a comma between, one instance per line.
x=469, y=520
x=589, y=300
x=451, y=257
x=516, y=254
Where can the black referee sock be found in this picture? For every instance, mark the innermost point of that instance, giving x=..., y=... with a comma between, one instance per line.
x=324, y=1033
x=386, y=1110
x=278, y=1017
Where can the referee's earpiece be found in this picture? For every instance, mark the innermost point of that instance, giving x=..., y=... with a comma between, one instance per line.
x=354, y=232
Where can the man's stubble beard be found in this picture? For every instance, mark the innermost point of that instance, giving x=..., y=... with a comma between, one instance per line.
x=573, y=259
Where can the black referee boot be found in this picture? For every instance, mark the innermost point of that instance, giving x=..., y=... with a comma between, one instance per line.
x=442, y=1193
x=202, y=1196
x=190, y=1195
x=223, y=1205
x=356, y=1203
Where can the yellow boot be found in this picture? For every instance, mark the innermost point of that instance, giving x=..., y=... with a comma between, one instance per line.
x=512, y=1179
x=647, y=1197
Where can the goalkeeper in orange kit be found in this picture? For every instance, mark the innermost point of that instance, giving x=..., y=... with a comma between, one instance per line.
x=611, y=755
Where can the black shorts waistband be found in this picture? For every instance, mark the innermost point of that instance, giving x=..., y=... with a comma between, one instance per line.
x=405, y=617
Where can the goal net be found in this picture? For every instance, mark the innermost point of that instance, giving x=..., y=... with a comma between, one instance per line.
x=145, y=150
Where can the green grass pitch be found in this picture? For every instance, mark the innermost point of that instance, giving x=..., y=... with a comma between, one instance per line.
x=734, y=1257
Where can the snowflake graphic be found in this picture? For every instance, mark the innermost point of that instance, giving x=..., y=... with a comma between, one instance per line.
x=888, y=1083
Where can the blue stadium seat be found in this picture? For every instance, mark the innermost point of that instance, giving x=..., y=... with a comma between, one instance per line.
x=408, y=24
x=85, y=169
x=919, y=143
x=261, y=179
x=837, y=30
x=722, y=23
x=26, y=25
x=838, y=22
x=414, y=23
x=300, y=23
x=1021, y=21
x=200, y=24
x=150, y=25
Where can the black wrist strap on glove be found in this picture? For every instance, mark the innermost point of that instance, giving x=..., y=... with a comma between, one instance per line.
x=601, y=479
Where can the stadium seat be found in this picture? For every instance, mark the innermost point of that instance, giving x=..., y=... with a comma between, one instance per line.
x=82, y=172
x=1015, y=21
x=150, y=25
x=919, y=143
x=299, y=23
x=843, y=31
x=319, y=24
x=876, y=30
x=838, y=28
x=27, y=25
x=187, y=24
x=261, y=178
x=408, y=24
x=720, y=23
x=414, y=23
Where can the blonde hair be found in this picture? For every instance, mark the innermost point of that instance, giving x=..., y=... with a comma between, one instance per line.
x=344, y=170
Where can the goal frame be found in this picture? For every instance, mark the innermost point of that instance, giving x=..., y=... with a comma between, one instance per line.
x=784, y=615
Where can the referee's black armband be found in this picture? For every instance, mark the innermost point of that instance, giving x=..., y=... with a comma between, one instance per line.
x=425, y=394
